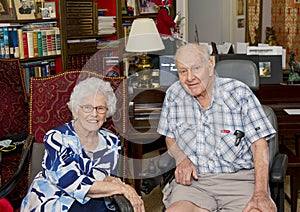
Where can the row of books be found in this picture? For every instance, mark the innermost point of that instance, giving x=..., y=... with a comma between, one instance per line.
x=43, y=68
x=25, y=43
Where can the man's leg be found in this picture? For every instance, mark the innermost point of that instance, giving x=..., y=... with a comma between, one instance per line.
x=184, y=205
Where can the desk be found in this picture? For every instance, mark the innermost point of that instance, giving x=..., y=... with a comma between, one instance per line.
x=282, y=97
x=144, y=112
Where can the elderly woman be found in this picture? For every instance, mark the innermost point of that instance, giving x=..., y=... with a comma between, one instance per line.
x=80, y=158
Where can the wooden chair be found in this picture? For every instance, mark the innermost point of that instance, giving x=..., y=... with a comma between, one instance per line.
x=13, y=110
x=48, y=109
x=13, y=120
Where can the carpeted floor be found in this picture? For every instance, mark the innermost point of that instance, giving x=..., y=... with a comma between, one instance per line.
x=153, y=201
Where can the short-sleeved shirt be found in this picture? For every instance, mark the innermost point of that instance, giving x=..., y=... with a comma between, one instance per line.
x=68, y=171
x=207, y=136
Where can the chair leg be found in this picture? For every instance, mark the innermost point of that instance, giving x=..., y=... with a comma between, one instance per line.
x=294, y=185
x=297, y=144
x=281, y=194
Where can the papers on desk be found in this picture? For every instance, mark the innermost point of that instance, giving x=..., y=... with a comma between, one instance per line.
x=292, y=111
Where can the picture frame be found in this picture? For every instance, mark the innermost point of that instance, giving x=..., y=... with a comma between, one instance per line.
x=45, y=12
x=240, y=23
x=124, y=7
x=51, y=5
x=25, y=9
x=147, y=7
x=295, y=3
x=7, y=11
x=240, y=8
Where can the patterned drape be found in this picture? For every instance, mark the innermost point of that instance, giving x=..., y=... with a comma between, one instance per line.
x=286, y=23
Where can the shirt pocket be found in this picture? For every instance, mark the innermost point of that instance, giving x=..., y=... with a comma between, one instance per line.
x=227, y=149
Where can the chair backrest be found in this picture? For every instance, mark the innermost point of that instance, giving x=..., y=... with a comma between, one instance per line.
x=49, y=96
x=13, y=111
x=48, y=107
x=243, y=70
x=247, y=72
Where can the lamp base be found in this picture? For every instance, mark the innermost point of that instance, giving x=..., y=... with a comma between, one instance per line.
x=144, y=67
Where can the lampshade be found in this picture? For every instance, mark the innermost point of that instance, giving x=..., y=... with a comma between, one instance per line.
x=144, y=36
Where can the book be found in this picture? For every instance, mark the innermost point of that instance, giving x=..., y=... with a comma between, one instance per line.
x=111, y=66
x=25, y=44
x=2, y=50
x=5, y=42
x=21, y=44
x=39, y=43
x=10, y=42
x=53, y=41
x=30, y=44
x=58, y=41
x=44, y=42
x=15, y=42
x=49, y=42
x=35, y=44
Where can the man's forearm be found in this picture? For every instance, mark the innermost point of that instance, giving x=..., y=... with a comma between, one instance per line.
x=174, y=150
x=260, y=151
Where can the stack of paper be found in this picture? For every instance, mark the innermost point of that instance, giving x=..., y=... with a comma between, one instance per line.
x=106, y=25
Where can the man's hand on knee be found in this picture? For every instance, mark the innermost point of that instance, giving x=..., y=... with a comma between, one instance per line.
x=185, y=171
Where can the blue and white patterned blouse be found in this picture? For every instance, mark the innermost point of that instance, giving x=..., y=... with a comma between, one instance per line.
x=67, y=170
x=207, y=136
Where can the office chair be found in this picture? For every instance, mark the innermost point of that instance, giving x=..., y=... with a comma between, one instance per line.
x=48, y=109
x=247, y=72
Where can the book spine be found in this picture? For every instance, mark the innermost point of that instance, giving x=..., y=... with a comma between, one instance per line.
x=53, y=42
x=15, y=41
x=2, y=50
x=30, y=44
x=52, y=66
x=21, y=44
x=5, y=42
x=25, y=44
x=44, y=42
x=35, y=44
x=10, y=42
x=49, y=42
x=39, y=43
x=58, y=41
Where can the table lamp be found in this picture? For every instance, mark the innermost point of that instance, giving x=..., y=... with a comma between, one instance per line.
x=144, y=37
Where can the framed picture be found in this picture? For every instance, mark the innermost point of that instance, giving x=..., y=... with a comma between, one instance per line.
x=241, y=23
x=45, y=12
x=239, y=7
x=24, y=9
x=146, y=6
x=124, y=7
x=52, y=8
x=7, y=10
x=295, y=3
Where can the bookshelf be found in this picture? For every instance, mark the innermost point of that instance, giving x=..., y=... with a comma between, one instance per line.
x=79, y=30
x=35, y=42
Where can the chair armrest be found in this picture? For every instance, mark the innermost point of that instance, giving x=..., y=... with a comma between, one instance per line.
x=278, y=169
x=122, y=203
x=21, y=170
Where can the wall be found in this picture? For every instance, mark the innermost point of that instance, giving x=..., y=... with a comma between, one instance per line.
x=217, y=20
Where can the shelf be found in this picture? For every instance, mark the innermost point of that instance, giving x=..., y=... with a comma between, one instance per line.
x=29, y=21
x=39, y=58
x=129, y=17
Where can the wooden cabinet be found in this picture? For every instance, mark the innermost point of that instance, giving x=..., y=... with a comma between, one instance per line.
x=79, y=23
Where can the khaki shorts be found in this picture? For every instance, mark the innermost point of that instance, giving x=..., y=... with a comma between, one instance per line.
x=215, y=192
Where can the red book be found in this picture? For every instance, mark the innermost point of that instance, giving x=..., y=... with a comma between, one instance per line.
x=25, y=44
x=49, y=42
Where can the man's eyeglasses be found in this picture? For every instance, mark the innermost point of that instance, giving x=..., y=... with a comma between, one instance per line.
x=90, y=108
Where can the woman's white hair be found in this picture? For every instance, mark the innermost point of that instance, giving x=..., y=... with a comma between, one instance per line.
x=91, y=87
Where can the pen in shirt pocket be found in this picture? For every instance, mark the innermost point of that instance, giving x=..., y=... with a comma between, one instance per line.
x=225, y=131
